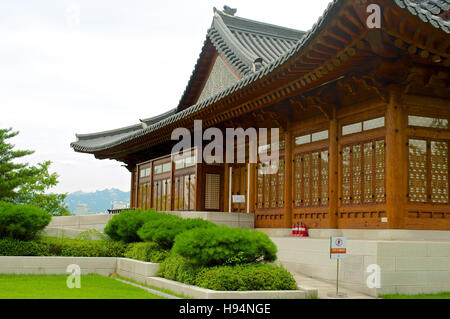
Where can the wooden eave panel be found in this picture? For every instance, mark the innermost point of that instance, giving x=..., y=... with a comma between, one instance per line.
x=273, y=87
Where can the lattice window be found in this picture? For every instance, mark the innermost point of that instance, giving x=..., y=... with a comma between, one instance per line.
x=146, y=196
x=270, y=188
x=140, y=197
x=307, y=180
x=368, y=177
x=266, y=191
x=380, y=185
x=363, y=173
x=273, y=191
x=428, y=171
x=346, y=176
x=168, y=194
x=315, y=179
x=192, y=192
x=161, y=194
x=281, y=184
x=357, y=174
x=324, y=175
x=298, y=181
x=156, y=189
x=418, y=171
x=311, y=179
x=212, y=192
x=260, y=188
x=439, y=172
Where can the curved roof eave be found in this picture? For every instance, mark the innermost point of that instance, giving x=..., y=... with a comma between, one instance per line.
x=412, y=7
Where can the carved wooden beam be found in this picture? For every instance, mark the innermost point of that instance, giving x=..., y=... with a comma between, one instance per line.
x=321, y=104
x=369, y=82
x=278, y=118
x=349, y=86
x=298, y=103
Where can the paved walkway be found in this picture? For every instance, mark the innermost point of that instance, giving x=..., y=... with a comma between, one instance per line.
x=324, y=288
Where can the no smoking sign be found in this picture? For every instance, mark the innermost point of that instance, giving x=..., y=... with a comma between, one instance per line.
x=338, y=248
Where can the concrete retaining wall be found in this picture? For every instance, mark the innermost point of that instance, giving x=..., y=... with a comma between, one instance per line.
x=202, y=293
x=104, y=266
x=98, y=222
x=234, y=220
x=56, y=265
x=136, y=270
x=70, y=233
x=367, y=234
x=406, y=267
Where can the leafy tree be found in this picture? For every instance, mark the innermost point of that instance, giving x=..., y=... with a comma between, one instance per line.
x=22, y=183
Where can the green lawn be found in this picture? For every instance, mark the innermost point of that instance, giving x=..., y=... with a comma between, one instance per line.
x=436, y=296
x=55, y=287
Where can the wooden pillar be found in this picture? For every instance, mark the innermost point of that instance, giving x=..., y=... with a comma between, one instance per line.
x=252, y=190
x=333, y=171
x=396, y=161
x=133, y=188
x=288, y=160
x=226, y=186
x=151, y=185
x=199, y=188
x=172, y=184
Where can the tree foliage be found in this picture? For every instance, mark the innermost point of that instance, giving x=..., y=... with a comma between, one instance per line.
x=23, y=183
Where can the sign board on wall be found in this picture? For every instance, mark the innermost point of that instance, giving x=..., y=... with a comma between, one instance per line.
x=238, y=199
x=338, y=247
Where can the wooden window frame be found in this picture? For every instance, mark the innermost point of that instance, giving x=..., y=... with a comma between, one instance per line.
x=361, y=140
x=429, y=190
x=302, y=151
x=180, y=180
x=271, y=195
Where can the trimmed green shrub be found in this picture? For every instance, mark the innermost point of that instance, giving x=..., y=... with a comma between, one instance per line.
x=164, y=230
x=22, y=221
x=124, y=226
x=84, y=248
x=148, y=252
x=224, y=245
x=246, y=278
x=62, y=247
x=178, y=268
x=14, y=247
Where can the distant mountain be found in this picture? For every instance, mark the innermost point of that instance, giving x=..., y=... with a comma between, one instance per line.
x=82, y=203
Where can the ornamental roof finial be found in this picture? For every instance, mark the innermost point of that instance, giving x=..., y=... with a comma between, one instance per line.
x=229, y=11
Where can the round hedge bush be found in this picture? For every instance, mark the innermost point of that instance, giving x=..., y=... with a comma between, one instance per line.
x=178, y=268
x=22, y=222
x=248, y=277
x=164, y=231
x=124, y=226
x=148, y=252
x=224, y=245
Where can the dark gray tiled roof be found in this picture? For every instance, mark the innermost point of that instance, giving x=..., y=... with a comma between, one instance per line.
x=92, y=143
x=95, y=140
x=436, y=7
x=428, y=11
x=244, y=41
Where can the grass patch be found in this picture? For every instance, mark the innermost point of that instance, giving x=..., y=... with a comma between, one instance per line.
x=166, y=291
x=445, y=295
x=55, y=287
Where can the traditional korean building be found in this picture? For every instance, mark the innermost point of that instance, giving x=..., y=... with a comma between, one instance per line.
x=362, y=102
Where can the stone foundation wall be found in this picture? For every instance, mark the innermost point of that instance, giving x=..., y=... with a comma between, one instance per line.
x=407, y=267
x=99, y=222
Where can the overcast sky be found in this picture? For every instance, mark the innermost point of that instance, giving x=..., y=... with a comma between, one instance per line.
x=83, y=66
